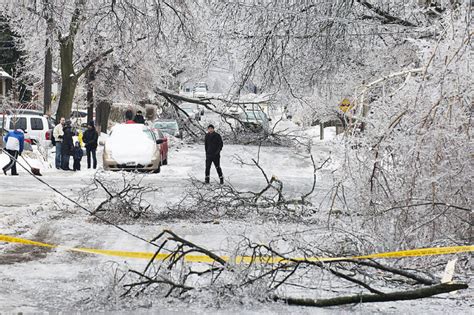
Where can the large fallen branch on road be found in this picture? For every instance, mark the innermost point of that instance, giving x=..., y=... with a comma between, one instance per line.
x=262, y=272
x=207, y=202
x=124, y=197
x=239, y=133
x=370, y=298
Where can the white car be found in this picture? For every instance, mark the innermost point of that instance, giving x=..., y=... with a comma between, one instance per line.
x=235, y=109
x=200, y=90
x=132, y=147
x=36, y=125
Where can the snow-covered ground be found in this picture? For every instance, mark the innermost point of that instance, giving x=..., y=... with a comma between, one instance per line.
x=34, y=279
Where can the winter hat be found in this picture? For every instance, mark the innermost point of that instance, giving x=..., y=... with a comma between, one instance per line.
x=210, y=126
x=91, y=123
x=68, y=123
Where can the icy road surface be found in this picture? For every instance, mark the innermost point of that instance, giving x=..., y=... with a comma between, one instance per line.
x=34, y=279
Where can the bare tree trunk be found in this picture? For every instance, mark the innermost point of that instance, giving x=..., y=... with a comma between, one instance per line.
x=48, y=72
x=68, y=80
x=90, y=93
x=102, y=115
x=48, y=69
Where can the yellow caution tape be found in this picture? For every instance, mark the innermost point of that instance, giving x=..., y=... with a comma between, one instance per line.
x=248, y=259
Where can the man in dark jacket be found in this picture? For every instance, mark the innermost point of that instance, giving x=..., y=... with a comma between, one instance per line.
x=213, y=144
x=90, y=139
x=14, y=144
x=139, y=119
x=129, y=117
x=67, y=147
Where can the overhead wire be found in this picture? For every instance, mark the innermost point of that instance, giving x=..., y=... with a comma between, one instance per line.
x=75, y=202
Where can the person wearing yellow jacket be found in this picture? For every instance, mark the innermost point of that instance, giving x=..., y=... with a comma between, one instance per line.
x=79, y=138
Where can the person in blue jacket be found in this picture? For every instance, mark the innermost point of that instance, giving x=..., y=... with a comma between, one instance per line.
x=14, y=143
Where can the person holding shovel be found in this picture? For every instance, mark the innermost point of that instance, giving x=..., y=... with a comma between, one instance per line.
x=14, y=143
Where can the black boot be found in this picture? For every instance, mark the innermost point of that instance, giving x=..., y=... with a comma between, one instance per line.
x=221, y=180
x=206, y=181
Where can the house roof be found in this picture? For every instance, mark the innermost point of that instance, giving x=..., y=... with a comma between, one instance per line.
x=5, y=75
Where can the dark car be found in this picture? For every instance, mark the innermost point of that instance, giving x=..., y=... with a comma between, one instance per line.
x=168, y=126
x=254, y=120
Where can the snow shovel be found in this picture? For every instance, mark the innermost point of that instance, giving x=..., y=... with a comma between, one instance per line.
x=34, y=170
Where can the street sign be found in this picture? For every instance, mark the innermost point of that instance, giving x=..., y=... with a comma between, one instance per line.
x=345, y=105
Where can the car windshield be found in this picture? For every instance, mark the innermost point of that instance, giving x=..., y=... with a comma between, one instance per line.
x=149, y=134
x=252, y=116
x=166, y=125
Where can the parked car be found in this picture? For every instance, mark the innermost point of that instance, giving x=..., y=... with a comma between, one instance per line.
x=235, y=109
x=168, y=126
x=254, y=120
x=192, y=110
x=200, y=90
x=134, y=147
x=164, y=145
x=36, y=126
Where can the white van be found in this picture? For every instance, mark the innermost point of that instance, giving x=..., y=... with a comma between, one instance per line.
x=36, y=126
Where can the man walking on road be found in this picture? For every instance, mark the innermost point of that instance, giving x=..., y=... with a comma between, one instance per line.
x=213, y=144
x=14, y=146
x=58, y=134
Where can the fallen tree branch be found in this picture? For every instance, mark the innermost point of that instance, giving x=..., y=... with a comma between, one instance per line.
x=370, y=298
x=386, y=17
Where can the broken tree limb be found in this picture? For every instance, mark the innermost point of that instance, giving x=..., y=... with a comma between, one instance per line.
x=370, y=298
x=401, y=272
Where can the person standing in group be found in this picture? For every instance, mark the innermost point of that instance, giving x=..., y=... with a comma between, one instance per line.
x=139, y=119
x=129, y=117
x=213, y=145
x=67, y=146
x=90, y=139
x=77, y=156
x=14, y=143
x=58, y=137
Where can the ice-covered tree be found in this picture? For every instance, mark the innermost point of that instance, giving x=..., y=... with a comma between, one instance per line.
x=83, y=33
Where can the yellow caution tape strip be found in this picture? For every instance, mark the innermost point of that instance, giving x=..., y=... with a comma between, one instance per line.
x=248, y=259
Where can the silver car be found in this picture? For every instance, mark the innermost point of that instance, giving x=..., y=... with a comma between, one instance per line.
x=254, y=120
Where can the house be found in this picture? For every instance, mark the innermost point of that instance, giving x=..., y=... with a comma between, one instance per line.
x=5, y=82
